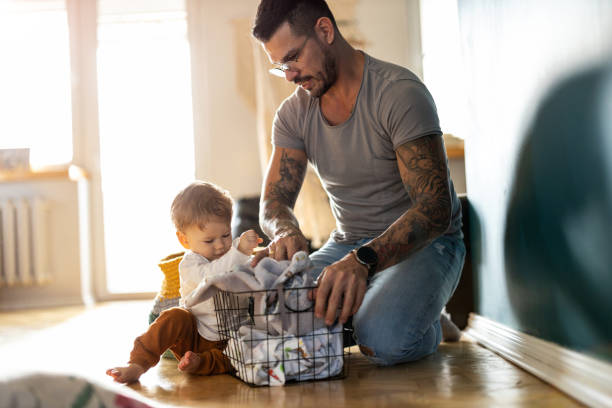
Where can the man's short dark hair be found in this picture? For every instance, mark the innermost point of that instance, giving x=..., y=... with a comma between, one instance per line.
x=300, y=14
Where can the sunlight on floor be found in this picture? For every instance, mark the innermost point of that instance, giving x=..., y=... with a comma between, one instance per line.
x=78, y=345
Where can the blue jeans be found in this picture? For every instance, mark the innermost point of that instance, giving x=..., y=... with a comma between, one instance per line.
x=399, y=319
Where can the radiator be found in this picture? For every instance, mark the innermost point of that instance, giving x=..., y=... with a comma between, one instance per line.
x=23, y=241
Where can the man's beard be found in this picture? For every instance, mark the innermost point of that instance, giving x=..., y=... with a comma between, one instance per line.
x=327, y=77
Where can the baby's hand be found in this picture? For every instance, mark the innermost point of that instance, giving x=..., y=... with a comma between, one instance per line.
x=248, y=241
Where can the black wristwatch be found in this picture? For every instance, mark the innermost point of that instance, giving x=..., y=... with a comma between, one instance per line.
x=368, y=257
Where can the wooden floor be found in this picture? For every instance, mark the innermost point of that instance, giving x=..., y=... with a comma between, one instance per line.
x=87, y=341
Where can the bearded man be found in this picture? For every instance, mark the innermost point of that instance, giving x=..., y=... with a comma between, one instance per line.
x=371, y=131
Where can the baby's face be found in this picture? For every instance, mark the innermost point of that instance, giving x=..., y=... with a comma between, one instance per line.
x=213, y=241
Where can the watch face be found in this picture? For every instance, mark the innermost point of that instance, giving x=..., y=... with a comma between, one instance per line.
x=367, y=255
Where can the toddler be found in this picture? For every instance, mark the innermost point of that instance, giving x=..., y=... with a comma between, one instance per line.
x=202, y=214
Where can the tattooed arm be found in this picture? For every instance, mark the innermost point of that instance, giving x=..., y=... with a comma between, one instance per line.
x=422, y=166
x=282, y=184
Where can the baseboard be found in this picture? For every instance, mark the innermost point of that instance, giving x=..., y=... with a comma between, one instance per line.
x=584, y=378
x=40, y=303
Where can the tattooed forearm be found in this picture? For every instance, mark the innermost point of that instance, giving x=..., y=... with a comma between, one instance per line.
x=283, y=185
x=275, y=217
x=286, y=189
x=423, y=170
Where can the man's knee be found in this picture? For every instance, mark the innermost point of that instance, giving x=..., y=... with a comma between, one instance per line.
x=389, y=347
x=391, y=354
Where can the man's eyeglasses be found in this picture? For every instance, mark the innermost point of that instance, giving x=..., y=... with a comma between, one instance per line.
x=280, y=68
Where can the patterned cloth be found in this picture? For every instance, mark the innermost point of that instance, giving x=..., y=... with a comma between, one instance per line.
x=54, y=390
x=274, y=360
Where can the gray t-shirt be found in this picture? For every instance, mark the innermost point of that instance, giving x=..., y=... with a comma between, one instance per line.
x=356, y=160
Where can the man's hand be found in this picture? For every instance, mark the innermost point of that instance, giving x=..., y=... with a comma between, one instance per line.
x=342, y=284
x=282, y=185
x=283, y=246
x=248, y=241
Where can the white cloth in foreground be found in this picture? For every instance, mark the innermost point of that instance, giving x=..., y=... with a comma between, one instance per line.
x=269, y=360
x=66, y=390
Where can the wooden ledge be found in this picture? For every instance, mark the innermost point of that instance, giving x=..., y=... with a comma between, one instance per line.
x=454, y=146
x=69, y=172
x=455, y=152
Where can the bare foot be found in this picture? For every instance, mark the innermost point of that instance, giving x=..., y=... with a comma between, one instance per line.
x=190, y=362
x=450, y=332
x=127, y=374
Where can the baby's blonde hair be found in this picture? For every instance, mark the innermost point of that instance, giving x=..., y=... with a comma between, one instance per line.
x=197, y=203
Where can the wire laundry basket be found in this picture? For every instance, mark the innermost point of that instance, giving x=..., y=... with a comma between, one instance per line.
x=273, y=337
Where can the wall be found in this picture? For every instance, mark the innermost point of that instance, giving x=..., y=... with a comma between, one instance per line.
x=391, y=31
x=514, y=52
x=224, y=109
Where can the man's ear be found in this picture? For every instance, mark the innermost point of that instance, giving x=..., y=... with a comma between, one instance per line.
x=183, y=239
x=324, y=29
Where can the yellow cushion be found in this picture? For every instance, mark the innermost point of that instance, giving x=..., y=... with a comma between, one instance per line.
x=172, y=283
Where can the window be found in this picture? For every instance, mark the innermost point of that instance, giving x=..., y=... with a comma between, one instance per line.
x=442, y=63
x=146, y=135
x=35, y=86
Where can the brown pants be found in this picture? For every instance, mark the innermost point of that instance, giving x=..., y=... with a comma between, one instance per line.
x=177, y=329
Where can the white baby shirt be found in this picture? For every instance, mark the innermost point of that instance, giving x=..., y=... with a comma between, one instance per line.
x=194, y=270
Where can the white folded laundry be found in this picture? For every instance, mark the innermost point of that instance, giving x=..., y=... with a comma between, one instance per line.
x=270, y=360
